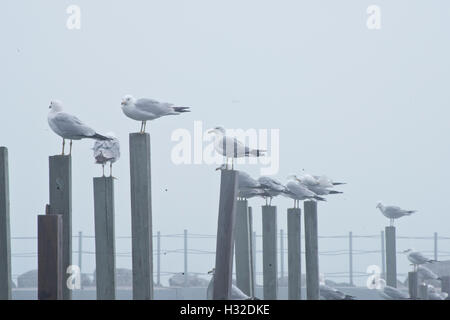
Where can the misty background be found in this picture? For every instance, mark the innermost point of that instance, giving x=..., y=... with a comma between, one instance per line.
x=368, y=107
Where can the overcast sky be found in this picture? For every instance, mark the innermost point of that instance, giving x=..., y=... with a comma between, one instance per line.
x=369, y=107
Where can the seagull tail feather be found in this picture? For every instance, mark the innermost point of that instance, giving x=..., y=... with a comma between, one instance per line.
x=257, y=153
x=319, y=198
x=335, y=192
x=181, y=109
x=100, y=137
x=338, y=183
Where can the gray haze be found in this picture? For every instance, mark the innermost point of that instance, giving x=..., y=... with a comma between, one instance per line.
x=369, y=107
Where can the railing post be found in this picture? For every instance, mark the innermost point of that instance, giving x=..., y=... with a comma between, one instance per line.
x=350, y=257
x=383, y=257
x=436, y=246
x=185, y=257
x=158, y=259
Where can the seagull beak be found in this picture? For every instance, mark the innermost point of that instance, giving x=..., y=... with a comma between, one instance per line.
x=122, y=103
x=211, y=131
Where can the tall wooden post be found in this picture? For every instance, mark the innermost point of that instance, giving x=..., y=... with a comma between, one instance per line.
x=254, y=258
x=5, y=236
x=413, y=285
x=269, y=236
x=243, y=248
x=281, y=253
x=391, y=257
x=50, y=257
x=60, y=168
x=294, y=216
x=141, y=216
x=311, y=250
x=104, y=238
x=225, y=235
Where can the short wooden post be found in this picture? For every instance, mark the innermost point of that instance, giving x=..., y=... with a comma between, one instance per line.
x=311, y=250
x=185, y=257
x=445, y=285
x=60, y=183
x=158, y=259
x=141, y=216
x=242, y=247
x=294, y=253
x=391, y=257
x=423, y=292
x=383, y=257
x=50, y=257
x=225, y=235
x=104, y=238
x=413, y=285
x=80, y=255
x=269, y=237
x=5, y=235
x=350, y=257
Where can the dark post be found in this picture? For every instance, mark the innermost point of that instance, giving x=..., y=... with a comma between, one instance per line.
x=225, y=235
x=294, y=253
x=350, y=257
x=242, y=247
x=269, y=237
x=104, y=238
x=311, y=250
x=141, y=216
x=5, y=236
x=413, y=285
x=436, y=246
x=50, y=257
x=80, y=255
x=391, y=257
x=254, y=257
x=252, y=252
x=60, y=167
x=445, y=284
x=281, y=253
x=423, y=291
x=158, y=261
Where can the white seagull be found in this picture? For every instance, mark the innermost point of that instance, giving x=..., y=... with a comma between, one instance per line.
x=393, y=212
x=68, y=126
x=230, y=147
x=330, y=293
x=298, y=191
x=320, y=185
x=236, y=293
x=391, y=293
x=426, y=274
x=434, y=294
x=416, y=257
x=272, y=187
x=247, y=186
x=148, y=109
x=107, y=151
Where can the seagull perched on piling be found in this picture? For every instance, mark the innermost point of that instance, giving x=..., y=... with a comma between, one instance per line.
x=247, y=186
x=107, y=151
x=320, y=185
x=272, y=187
x=68, y=126
x=330, y=293
x=148, y=109
x=230, y=147
x=393, y=212
x=417, y=258
x=391, y=293
x=298, y=191
x=426, y=274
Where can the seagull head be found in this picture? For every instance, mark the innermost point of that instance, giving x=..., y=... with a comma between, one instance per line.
x=379, y=205
x=217, y=130
x=222, y=167
x=55, y=106
x=407, y=250
x=212, y=271
x=127, y=100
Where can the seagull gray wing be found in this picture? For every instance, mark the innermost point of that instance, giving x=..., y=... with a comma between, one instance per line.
x=153, y=107
x=70, y=126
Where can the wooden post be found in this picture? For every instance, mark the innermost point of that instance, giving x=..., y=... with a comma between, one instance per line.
x=294, y=216
x=350, y=257
x=60, y=183
x=141, y=216
x=5, y=235
x=391, y=257
x=158, y=259
x=254, y=257
x=80, y=255
x=311, y=250
x=383, y=257
x=413, y=285
x=445, y=285
x=225, y=235
x=269, y=237
x=252, y=252
x=242, y=247
x=50, y=257
x=423, y=292
x=185, y=257
x=104, y=238
x=436, y=246
x=281, y=253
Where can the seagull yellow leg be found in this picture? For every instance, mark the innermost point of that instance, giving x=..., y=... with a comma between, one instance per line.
x=110, y=169
x=142, y=127
x=103, y=169
x=70, y=150
x=64, y=142
x=145, y=125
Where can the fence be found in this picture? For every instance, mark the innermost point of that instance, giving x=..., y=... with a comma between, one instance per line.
x=175, y=253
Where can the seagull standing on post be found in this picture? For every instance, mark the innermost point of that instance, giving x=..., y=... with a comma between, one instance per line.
x=68, y=126
x=417, y=258
x=298, y=191
x=148, y=109
x=393, y=212
x=107, y=151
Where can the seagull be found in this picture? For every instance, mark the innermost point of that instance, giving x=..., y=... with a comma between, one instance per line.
x=236, y=293
x=230, y=147
x=272, y=187
x=426, y=274
x=148, y=109
x=434, y=294
x=416, y=258
x=247, y=186
x=320, y=185
x=68, y=126
x=107, y=151
x=393, y=212
x=391, y=293
x=330, y=293
x=298, y=191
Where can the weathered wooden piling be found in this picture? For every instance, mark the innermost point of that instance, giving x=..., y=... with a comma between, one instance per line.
x=141, y=216
x=391, y=257
x=50, y=257
x=311, y=250
x=242, y=247
x=294, y=216
x=5, y=235
x=269, y=237
x=254, y=257
x=445, y=285
x=413, y=285
x=281, y=253
x=104, y=238
x=423, y=291
x=225, y=235
x=252, y=252
x=60, y=183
